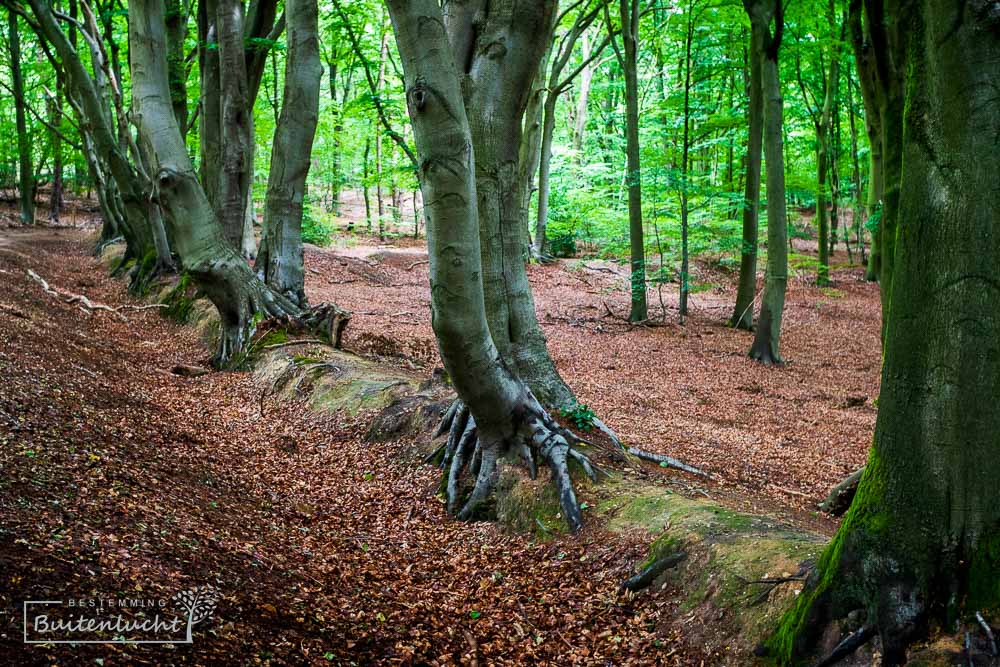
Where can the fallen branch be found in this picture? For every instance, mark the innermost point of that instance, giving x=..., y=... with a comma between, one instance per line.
x=666, y=461
x=841, y=496
x=85, y=304
x=989, y=633
x=418, y=263
x=652, y=572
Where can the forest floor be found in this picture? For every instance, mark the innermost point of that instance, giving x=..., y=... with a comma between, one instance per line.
x=119, y=478
x=782, y=434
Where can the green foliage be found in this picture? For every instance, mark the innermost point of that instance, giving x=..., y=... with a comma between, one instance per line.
x=580, y=416
x=316, y=226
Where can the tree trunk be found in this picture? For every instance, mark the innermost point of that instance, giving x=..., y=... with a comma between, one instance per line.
x=55, y=108
x=25, y=171
x=685, y=171
x=177, y=29
x=210, y=116
x=766, y=346
x=529, y=155
x=745, y=293
x=280, y=259
x=506, y=418
x=582, y=99
x=379, y=86
x=919, y=546
x=545, y=172
x=629, y=11
x=237, y=123
x=211, y=259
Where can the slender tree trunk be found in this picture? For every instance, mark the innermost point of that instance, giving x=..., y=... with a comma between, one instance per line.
x=177, y=29
x=210, y=116
x=380, y=85
x=918, y=548
x=855, y=170
x=685, y=171
x=582, y=98
x=745, y=293
x=545, y=173
x=25, y=170
x=766, y=346
x=529, y=156
x=629, y=10
x=55, y=110
x=237, y=123
x=280, y=259
x=367, y=175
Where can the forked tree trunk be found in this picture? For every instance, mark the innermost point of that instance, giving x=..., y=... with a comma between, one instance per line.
x=507, y=419
x=766, y=346
x=215, y=264
x=280, y=258
x=919, y=546
x=745, y=293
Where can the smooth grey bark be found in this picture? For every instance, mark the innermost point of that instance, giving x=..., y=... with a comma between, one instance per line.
x=210, y=116
x=25, y=170
x=529, y=155
x=747, y=289
x=280, y=259
x=583, y=96
x=507, y=418
x=216, y=266
x=237, y=122
x=766, y=346
x=177, y=29
x=497, y=85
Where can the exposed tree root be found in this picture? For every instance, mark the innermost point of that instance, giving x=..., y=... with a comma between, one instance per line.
x=537, y=438
x=848, y=645
x=667, y=461
x=85, y=304
x=650, y=573
x=988, y=631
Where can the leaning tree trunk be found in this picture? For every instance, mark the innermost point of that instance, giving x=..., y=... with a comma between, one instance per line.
x=506, y=420
x=767, y=338
x=529, y=155
x=26, y=173
x=280, y=258
x=919, y=546
x=743, y=311
x=124, y=192
x=216, y=266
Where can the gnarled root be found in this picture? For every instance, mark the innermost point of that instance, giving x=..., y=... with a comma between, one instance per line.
x=537, y=438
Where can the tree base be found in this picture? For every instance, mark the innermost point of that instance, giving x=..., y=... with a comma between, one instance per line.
x=538, y=438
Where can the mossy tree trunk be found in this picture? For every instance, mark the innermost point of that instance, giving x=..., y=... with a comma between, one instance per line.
x=766, y=346
x=921, y=542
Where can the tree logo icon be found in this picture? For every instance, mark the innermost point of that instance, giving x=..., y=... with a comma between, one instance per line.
x=199, y=603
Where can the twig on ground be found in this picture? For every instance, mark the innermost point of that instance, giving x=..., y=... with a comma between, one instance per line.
x=849, y=645
x=666, y=461
x=289, y=343
x=417, y=263
x=652, y=572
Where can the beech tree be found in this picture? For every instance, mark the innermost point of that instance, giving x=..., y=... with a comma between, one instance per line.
x=767, y=337
x=919, y=545
x=456, y=146
x=26, y=173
